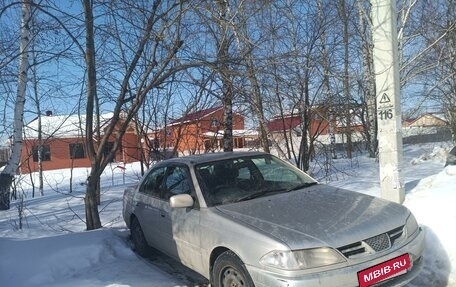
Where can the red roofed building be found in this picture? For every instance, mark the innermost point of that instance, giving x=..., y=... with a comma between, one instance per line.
x=290, y=125
x=429, y=120
x=63, y=143
x=201, y=131
x=285, y=123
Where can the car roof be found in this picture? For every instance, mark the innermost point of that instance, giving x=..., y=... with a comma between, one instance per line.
x=209, y=157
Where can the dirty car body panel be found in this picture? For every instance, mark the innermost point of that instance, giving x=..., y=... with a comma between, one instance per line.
x=285, y=228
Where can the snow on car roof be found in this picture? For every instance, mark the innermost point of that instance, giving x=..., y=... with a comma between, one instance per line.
x=208, y=157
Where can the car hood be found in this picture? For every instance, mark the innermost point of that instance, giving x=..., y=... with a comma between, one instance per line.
x=317, y=216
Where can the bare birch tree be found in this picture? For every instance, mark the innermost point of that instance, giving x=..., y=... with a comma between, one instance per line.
x=303, y=58
x=220, y=27
x=161, y=32
x=327, y=89
x=367, y=82
x=346, y=78
x=226, y=75
x=248, y=47
x=9, y=172
x=442, y=43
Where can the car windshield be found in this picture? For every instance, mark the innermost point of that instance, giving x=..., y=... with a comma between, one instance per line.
x=248, y=177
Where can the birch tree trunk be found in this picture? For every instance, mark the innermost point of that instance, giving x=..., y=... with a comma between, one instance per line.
x=369, y=80
x=346, y=80
x=7, y=175
x=327, y=84
x=224, y=70
x=287, y=153
x=39, y=131
x=257, y=103
x=256, y=99
x=91, y=207
x=160, y=69
x=449, y=99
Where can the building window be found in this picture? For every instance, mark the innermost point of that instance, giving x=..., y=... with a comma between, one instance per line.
x=77, y=151
x=107, y=150
x=156, y=143
x=45, y=154
x=214, y=123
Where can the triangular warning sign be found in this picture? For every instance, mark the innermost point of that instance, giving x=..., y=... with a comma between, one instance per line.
x=385, y=99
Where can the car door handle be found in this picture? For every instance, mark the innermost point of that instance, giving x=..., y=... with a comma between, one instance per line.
x=162, y=214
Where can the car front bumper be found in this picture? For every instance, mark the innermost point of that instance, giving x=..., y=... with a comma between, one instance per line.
x=346, y=276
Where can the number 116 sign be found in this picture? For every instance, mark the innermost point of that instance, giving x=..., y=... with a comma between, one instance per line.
x=386, y=114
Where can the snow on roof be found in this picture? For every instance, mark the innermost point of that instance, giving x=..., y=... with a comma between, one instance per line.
x=284, y=124
x=195, y=116
x=64, y=126
x=355, y=121
x=440, y=116
x=236, y=133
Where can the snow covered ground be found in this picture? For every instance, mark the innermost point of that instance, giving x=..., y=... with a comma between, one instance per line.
x=52, y=248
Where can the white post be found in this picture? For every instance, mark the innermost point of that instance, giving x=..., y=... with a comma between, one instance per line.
x=386, y=65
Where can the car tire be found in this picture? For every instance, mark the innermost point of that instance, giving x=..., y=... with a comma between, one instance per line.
x=140, y=245
x=229, y=271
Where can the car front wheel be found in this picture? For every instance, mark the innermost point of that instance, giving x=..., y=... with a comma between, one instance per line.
x=230, y=271
x=140, y=245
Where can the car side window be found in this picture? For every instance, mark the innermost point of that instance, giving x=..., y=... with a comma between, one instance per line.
x=177, y=182
x=153, y=182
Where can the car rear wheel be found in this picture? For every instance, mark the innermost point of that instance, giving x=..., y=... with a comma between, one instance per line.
x=140, y=245
x=230, y=271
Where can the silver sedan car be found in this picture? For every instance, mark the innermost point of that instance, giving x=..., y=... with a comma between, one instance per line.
x=251, y=219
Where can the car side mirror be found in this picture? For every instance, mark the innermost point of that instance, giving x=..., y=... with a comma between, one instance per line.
x=181, y=201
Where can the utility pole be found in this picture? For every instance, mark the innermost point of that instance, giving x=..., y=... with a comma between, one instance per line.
x=386, y=64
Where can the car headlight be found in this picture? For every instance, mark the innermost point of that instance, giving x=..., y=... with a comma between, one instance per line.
x=411, y=226
x=302, y=259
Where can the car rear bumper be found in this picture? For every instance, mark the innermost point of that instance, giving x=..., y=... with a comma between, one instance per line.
x=346, y=276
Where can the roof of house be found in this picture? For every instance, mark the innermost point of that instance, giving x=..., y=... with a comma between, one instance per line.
x=408, y=121
x=355, y=120
x=195, y=116
x=64, y=126
x=236, y=133
x=438, y=116
x=283, y=124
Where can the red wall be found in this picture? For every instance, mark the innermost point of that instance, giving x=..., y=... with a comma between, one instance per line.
x=60, y=153
x=190, y=134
